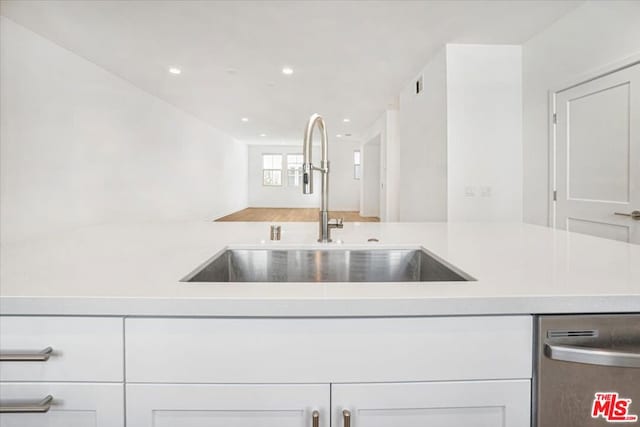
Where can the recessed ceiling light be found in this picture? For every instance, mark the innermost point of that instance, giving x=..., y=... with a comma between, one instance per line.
x=244, y=119
x=287, y=71
x=346, y=120
x=174, y=70
x=263, y=134
x=338, y=136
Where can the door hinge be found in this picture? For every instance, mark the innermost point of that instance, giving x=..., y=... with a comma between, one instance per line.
x=555, y=196
x=555, y=119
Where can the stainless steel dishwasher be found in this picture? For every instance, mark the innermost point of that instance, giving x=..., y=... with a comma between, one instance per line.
x=587, y=370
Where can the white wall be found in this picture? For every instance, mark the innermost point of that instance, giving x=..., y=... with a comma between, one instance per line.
x=587, y=39
x=261, y=196
x=80, y=146
x=344, y=191
x=462, y=132
x=422, y=131
x=484, y=128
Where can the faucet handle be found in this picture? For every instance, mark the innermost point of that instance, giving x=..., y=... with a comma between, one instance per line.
x=336, y=223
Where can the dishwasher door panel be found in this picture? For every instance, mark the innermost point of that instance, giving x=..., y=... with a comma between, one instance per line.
x=581, y=356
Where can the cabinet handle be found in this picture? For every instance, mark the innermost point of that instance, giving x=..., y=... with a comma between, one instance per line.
x=27, y=408
x=40, y=356
x=315, y=419
x=346, y=418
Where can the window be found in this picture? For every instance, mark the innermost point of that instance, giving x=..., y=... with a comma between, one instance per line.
x=294, y=170
x=272, y=169
x=356, y=164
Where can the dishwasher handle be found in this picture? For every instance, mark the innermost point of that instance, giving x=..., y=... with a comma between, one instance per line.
x=592, y=356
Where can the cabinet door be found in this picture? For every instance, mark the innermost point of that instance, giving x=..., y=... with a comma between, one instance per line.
x=204, y=405
x=72, y=404
x=438, y=404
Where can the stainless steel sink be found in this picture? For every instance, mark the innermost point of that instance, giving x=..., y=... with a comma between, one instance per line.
x=326, y=265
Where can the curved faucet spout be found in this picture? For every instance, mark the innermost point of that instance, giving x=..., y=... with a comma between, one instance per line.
x=307, y=148
x=307, y=174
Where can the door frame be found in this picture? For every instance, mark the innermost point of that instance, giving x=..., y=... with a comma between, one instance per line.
x=375, y=140
x=576, y=80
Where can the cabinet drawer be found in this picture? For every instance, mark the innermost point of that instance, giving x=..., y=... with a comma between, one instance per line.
x=82, y=349
x=327, y=350
x=71, y=405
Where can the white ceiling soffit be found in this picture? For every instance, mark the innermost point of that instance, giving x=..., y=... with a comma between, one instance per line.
x=349, y=58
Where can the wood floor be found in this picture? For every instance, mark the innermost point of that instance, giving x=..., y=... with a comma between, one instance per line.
x=292, y=215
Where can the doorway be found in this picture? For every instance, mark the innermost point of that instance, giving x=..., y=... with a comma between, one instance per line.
x=370, y=187
x=597, y=156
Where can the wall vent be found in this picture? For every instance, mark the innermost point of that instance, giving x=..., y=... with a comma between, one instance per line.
x=573, y=333
x=419, y=85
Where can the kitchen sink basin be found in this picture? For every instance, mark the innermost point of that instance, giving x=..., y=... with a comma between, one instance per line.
x=326, y=265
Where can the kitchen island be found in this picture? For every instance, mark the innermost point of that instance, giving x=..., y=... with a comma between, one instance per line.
x=120, y=337
x=136, y=269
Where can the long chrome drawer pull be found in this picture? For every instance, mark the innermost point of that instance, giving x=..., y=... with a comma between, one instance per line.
x=43, y=406
x=592, y=356
x=40, y=356
x=315, y=419
x=346, y=418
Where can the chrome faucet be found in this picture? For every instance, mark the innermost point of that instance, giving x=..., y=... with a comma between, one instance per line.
x=325, y=226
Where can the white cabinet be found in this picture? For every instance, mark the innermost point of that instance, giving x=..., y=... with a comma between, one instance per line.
x=78, y=361
x=198, y=405
x=82, y=348
x=272, y=351
x=438, y=404
x=73, y=404
x=389, y=372
x=271, y=372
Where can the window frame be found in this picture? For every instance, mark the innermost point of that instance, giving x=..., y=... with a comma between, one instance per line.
x=300, y=169
x=357, y=165
x=271, y=170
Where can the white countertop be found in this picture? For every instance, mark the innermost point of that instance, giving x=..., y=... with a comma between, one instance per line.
x=135, y=270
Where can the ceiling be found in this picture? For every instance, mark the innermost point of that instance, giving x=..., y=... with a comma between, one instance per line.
x=350, y=58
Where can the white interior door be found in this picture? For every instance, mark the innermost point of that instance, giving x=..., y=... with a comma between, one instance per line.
x=598, y=156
